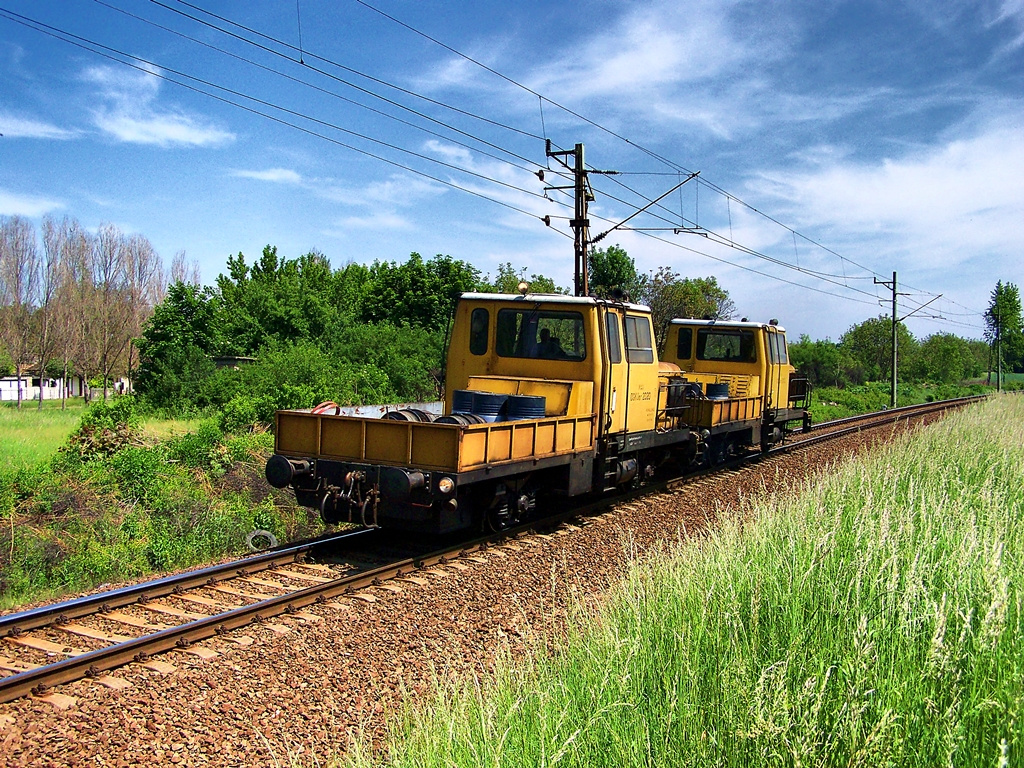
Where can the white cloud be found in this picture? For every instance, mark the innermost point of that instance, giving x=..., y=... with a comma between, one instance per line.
x=398, y=191
x=1012, y=12
x=664, y=43
x=14, y=127
x=131, y=115
x=951, y=201
x=275, y=175
x=377, y=221
x=14, y=204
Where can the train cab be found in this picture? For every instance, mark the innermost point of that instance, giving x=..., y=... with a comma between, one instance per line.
x=743, y=365
x=585, y=355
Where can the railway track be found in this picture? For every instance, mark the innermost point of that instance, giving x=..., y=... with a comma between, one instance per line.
x=86, y=637
x=831, y=429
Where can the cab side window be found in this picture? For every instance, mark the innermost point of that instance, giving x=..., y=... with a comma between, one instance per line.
x=478, y=327
x=611, y=323
x=777, y=348
x=684, y=347
x=783, y=354
x=638, y=340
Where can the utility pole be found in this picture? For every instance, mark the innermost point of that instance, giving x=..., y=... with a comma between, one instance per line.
x=584, y=194
x=580, y=223
x=895, y=322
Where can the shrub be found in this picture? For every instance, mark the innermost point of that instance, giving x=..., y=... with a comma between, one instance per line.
x=202, y=449
x=136, y=472
x=238, y=414
x=105, y=428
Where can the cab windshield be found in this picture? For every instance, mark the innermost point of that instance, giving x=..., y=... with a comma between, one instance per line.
x=541, y=334
x=732, y=345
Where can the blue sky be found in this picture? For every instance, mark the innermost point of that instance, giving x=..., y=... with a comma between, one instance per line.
x=873, y=136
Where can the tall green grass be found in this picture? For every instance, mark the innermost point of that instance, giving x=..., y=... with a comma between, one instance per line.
x=872, y=620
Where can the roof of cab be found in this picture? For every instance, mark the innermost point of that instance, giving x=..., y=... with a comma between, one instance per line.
x=552, y=298
x=726, y=323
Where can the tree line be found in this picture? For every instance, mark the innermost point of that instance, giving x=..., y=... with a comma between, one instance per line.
x=72, y=302
x=281, y=332
x=864, y=352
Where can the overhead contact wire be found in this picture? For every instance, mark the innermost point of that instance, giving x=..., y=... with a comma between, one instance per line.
x=325, y=60
x=85, y=44
x=336, y=95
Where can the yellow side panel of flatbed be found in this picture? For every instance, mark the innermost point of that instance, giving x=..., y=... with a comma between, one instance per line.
x=712, y=413
x=443, y=447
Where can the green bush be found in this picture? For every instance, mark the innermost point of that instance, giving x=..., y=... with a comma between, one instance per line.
x=238, y=415
x=105, y=428
x=202, y=449
x=74, y=524
x=137, y=472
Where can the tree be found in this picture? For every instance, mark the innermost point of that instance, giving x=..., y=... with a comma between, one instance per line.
x=185, y=329
x=820, y=361
x=19, y=275
x=945, y=359
x=508, y=280
x=1003, y=325
x=418, y=292
x=869, y=347
x=670, y=296
x=143, y=286
x=611, y=268
x=75, y=248
x=183, y=271
x=278, y=299
x=47, y=296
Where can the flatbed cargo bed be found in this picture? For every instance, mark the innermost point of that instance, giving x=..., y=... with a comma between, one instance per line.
x=430, y=446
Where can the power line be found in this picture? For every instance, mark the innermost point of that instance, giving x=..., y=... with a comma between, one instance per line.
x=715, y=237
x=85, y=44
x=730, y=242
x=670, y=163
x=335, y=95
x=289, y=46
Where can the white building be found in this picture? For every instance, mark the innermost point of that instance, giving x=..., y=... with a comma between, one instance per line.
x=53, y=389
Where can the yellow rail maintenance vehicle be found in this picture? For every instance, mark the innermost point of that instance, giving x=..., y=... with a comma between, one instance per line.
x=548, y=397
x=742, y=390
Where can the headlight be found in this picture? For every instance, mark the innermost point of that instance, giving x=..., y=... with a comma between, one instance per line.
x=446, y=485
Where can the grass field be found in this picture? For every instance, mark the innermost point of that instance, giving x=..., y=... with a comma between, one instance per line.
x=875, y=619
x=162, y=429
x=28, y=435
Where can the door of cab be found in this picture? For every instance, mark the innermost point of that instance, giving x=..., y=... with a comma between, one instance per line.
x=631, y=384
x=615, y=402
x=777, y=384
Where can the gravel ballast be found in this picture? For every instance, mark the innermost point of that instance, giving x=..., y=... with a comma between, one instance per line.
x=298, y=695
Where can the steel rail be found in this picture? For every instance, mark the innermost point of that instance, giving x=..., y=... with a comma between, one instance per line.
x=890, y=416
x=95, y=662
x=938, y=404
x=14, y=623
